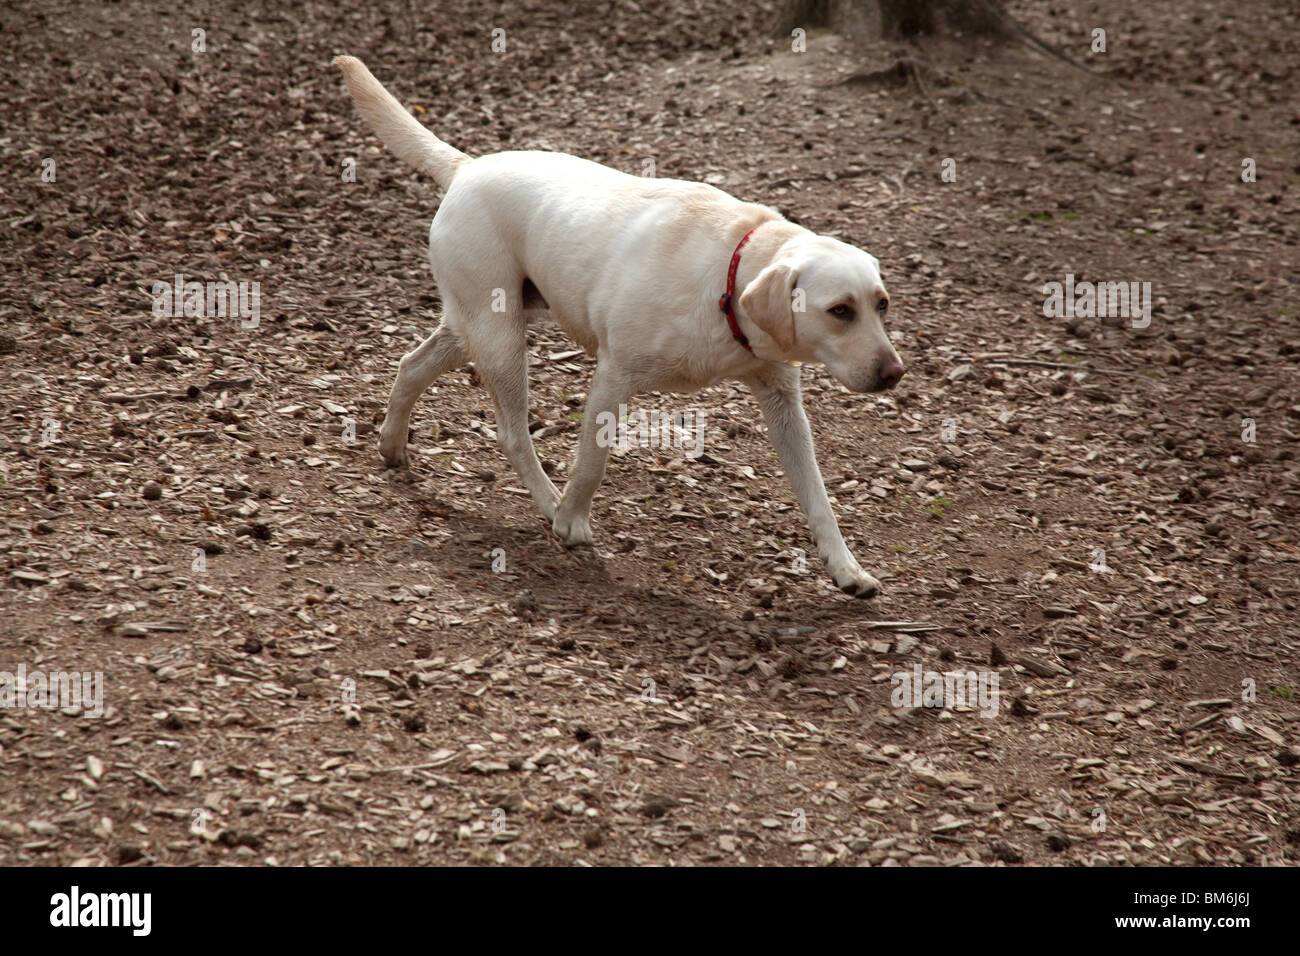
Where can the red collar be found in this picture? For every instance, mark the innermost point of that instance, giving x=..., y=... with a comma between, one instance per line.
x=725, y=303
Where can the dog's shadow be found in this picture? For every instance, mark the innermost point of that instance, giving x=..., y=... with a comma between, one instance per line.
x=485, y=559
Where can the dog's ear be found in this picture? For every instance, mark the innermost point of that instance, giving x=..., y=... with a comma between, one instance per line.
x=767, y=301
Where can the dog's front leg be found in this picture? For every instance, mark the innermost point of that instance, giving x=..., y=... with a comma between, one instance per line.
x=779, y=397
x=609, y=390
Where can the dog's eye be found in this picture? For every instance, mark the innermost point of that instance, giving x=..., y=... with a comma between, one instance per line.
x=884, y=304
x=844, y=312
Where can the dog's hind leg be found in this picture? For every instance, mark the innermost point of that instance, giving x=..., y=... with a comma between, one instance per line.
x=609, y=390
x=440, y=352
x=498, y=344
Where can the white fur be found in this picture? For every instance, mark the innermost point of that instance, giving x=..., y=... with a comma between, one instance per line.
x=632, y=268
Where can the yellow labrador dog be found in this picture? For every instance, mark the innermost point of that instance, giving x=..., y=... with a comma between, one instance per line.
x=632, y=269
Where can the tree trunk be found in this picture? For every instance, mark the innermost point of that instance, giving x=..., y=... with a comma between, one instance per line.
x=862, y=20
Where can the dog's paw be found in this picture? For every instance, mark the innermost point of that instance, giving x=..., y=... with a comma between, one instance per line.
x=574, y=531
x=853, y=580
x=394, y=453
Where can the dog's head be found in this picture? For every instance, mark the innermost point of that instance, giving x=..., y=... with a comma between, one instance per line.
x=822, y=300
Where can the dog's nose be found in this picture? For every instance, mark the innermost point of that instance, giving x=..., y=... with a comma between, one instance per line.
x=889, y=373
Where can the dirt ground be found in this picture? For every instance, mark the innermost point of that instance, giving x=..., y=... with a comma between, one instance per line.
x=1101, y=515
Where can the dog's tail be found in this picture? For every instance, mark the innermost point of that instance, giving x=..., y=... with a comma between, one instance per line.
x=400, y=131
